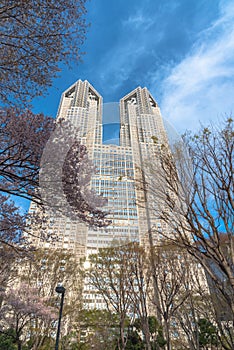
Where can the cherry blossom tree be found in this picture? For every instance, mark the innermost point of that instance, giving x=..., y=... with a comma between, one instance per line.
x=76, y=178
x=23, y=137
x=65, y=177
x=12, y=222
x=29, y=144
x=21, y=308
x=45, y=270
x=35, y=38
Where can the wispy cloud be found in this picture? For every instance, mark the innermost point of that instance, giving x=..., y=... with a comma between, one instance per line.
x=145, y=42
x=118, y=64
x=138, y=21
x=135, y=37
x=181, y=50
x=200, y=88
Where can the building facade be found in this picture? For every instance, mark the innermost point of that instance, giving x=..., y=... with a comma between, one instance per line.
x=120, y=176
x=119, y=168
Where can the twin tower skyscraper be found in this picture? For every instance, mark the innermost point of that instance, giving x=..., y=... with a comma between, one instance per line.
x=119, y=174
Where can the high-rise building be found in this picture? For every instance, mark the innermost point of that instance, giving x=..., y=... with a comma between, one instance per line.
x=119, y=175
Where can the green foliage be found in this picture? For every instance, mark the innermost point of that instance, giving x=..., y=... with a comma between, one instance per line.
x=207, y=333
x=160, y=340
x=153, y=324
x=47, y=344
x=99, y=329
x=134, y=342
x=69, y=342
x=96, y=318
x=155, y=330
x=7, y=340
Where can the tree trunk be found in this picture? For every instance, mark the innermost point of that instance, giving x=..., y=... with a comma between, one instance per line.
x=19, y=344
x=146, y=334
x=167, y=334
x=121, y=342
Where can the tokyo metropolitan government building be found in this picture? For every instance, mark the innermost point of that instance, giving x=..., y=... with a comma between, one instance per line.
x=118, y=167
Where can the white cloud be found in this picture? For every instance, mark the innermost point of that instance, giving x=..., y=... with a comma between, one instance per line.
x=201, y=86
x=132, y=45
x=138, y=20
x=119, y=63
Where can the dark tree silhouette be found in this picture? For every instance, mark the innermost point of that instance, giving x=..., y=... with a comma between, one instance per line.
x=23, y=136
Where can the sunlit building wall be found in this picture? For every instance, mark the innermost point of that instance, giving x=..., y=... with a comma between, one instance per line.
x=119, y=168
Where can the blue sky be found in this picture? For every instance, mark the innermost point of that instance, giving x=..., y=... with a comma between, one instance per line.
x=182, y=51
